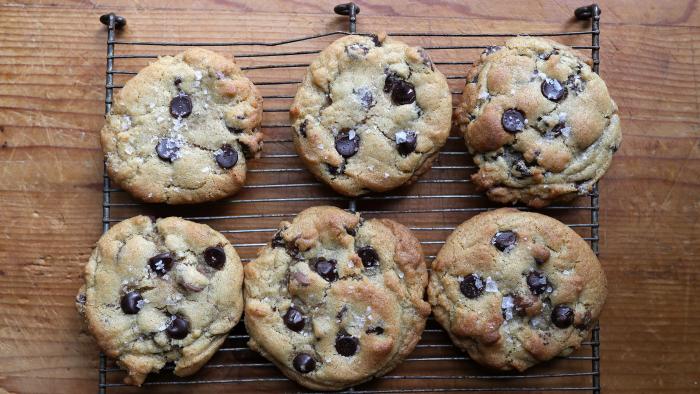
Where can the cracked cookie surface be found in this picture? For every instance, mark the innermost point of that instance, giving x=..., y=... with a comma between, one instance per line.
x=371, y=114
x=516, y=288
x=335, y=300
x=539, y=122
x=161, y=291
x=180, y=131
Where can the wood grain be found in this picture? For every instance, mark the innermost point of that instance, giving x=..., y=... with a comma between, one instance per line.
x=52, y=57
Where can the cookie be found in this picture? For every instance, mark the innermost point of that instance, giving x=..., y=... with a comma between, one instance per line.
x=516, y=288
x=161, y=291
x=181, y=130
x=333, y=300
x=371, y=114
x=539, y=122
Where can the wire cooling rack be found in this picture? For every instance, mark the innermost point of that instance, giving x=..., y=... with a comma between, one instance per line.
x=279, y=187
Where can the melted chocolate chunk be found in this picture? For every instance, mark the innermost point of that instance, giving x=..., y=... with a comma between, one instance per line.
x=553, y=90
x=178, y=81
x=181, y=106
x=168, y=149
x=558, y=129
x=375, y=330
x=215, y=257
x=161, y=263
x=375, y=40
x=472, y=286
x=406, y=141
x=226, y=157
x=304, y=363
x=537, y=282
x=504, y=240
x=513, y=120
x=294, y=319
x=346, y=345
x=389, y=82
x=132, y=302
x=347, y=143
x=178, y=328
x=234, y=130
x=403, y=93
x=326, y=269
x=369, y=256
x=562, y=316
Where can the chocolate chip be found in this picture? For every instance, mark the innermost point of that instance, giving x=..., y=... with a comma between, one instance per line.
x=326, y=268
x=215, y=257
x=558, y=129
x=335, y=170
x=614, y=148
x=181, y=106
x=226, y=157
x=234, y=130
x=520, y=304
x=294, y=319
x=405, y=141
x=350, y=231
x=168, y=149
x=513, y=120
x=132, y=302
x=537, y=282
x=365, y=96
x=161, y=263
x=178, y=328
x=356, y=51
x=546, y=56
x=302, y=128
x=375, y=40
x=575, y=83
x=475, y=80
x=81, y=298
x=403, y=93
x=472, y=286
x=347, y=143
x=246, y=150
x=369, y=256
x=390, y=81
x=426, y=58
x=553, y=90
x=504, y=240
x=304, y=363
x=375, y=330
x=562, y=316
x=178, y=81
x=341, y=312
x=491, y=49
x=346, y=345
x=278, y=241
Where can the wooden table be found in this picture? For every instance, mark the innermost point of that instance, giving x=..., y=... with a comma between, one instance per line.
x=52, y=60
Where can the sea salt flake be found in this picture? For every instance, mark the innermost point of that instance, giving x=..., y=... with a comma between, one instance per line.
x=126, y=122
x=401, y=274
x=197, y=75
x=320, y=146
x=205, y=170
x=369, y=317
x=386, y=175
x=400, y=137
x=139, y=304
x=562, y=116
x=219, y=75
x=129, y=150
x=352, y=134
x=370, y=167
x=484, y=95
x=491, y=286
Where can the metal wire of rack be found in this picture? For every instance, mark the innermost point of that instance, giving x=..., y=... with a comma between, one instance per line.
x=279, y=187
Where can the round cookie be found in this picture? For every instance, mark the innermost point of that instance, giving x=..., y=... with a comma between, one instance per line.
x=180, y=131
x=539, y=122
x=334, y=300
x=371, y=114
x=516, y=288
x=161, y=291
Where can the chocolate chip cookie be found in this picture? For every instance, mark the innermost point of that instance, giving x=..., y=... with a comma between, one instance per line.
x=539, y=122
x=516, y=288
x=161, y=291
x=334, y=300
x=371, y=114
x=180, y=131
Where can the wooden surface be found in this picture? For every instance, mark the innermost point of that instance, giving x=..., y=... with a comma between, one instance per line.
x=52, y=59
